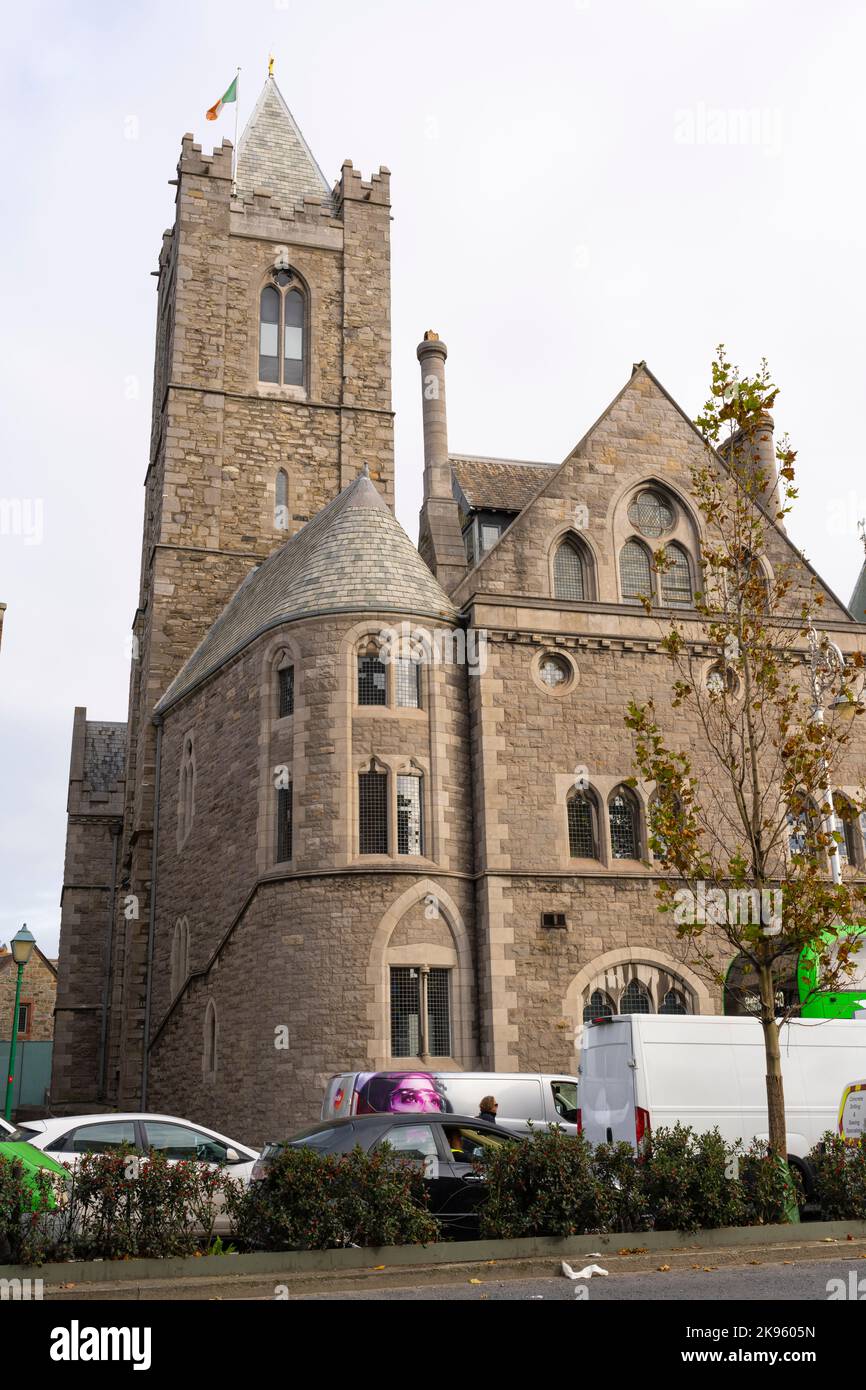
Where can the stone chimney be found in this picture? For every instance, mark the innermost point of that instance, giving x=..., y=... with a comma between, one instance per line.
x=440, y=541
x=757, y=447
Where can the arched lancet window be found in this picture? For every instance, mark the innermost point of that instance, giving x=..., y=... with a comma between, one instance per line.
x=599, y=1005
x=582, y=834
x=803, y=824
x=281, y=501
x=179, y=955
x=661, y=812
x=677, y=580
x=753, y=579
x=674, y=1002
x=848, y=848
x=635, y=999
x=269, y=334
x=624, y=824
x=282, y=313
x=186, y=791
x=410, y=814
x=293, y=339
x=211, y=1038
x=373, y=811
x=372, y=678
x=569, y=572
x=634, y=572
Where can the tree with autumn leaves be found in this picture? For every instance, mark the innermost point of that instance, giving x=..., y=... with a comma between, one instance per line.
x=744, y=823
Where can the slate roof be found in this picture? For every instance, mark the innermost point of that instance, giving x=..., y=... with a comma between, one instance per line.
x=857, y=606
x=273, y=154
x=496, y=484
x=104, y=755
x=353, y=557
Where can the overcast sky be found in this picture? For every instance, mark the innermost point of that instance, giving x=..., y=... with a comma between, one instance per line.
x=577, y=185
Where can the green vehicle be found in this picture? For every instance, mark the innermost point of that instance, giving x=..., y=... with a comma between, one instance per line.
x=32, y=1160
x=796, y=985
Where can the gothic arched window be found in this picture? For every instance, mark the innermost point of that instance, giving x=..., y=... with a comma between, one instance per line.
x=848, y=848
x=634, y=572
x=293, y=339
x=281, y=501
x=186, y=792
x=677, y=579
x=598, y=1006
x=211, y=1038
x=179, y=955
x=624, y=824
x=635, y=999
x=582, y=836
x=569, y=576
x=269, y=334
x=282, y=314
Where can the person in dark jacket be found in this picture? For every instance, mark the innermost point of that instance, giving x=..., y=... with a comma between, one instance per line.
x=488, y=1109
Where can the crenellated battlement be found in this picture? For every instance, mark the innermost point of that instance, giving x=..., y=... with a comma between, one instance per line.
x=217, y=165
x=352, y=187
x=262, y=202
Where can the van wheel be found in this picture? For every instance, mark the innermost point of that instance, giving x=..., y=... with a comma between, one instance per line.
x=806, y=1176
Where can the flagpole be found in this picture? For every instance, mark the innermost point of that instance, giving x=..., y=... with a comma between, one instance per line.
x=235, y=150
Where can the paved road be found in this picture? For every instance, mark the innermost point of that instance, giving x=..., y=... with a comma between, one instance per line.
x=803, y=1280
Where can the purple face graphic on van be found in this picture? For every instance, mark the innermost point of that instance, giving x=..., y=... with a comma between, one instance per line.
x=399, y=1093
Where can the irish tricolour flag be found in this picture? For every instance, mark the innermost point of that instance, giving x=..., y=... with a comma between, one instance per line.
x=231, y=94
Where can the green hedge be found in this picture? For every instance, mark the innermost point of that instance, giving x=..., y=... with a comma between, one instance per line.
x=313, y=1201
x=680, y=1181
x=840, y=1178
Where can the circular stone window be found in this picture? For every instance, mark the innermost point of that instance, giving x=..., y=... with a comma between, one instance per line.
x=554, y=672
x=651, y=514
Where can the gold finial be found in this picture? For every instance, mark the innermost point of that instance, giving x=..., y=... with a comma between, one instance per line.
x=430, y=336
x=271, y=65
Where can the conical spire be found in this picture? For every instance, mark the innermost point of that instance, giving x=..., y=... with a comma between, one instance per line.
x=352, y=557
x=273, y=154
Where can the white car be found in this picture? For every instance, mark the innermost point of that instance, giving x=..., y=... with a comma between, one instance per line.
x=67, y=1137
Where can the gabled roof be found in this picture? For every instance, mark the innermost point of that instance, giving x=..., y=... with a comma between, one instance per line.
x=496, y=484
x=273, y=154
x=6, y=959
x=353, y=557
x=549, y=478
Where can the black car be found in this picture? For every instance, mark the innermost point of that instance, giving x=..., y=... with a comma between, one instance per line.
x=451, y=1149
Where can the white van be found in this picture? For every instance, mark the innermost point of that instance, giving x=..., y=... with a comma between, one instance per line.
x=642, y=1071
x=543, y=1099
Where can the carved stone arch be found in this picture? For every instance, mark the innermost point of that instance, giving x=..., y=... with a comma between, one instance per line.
x=587, y=549
x=601, y=973
x=619, y=504
x=439, y=907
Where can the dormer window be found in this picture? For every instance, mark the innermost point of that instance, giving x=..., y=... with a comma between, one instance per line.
x=281, y=331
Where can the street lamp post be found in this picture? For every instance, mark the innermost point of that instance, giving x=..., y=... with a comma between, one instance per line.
x=22, y=945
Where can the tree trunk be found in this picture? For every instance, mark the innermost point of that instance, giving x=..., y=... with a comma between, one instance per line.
x=773, y=1056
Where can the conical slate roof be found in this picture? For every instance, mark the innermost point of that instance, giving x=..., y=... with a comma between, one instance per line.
x=273, y=154
x=353, y=557
x=857, y=606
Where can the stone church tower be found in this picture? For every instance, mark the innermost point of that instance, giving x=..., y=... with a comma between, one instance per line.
x=272, y=387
